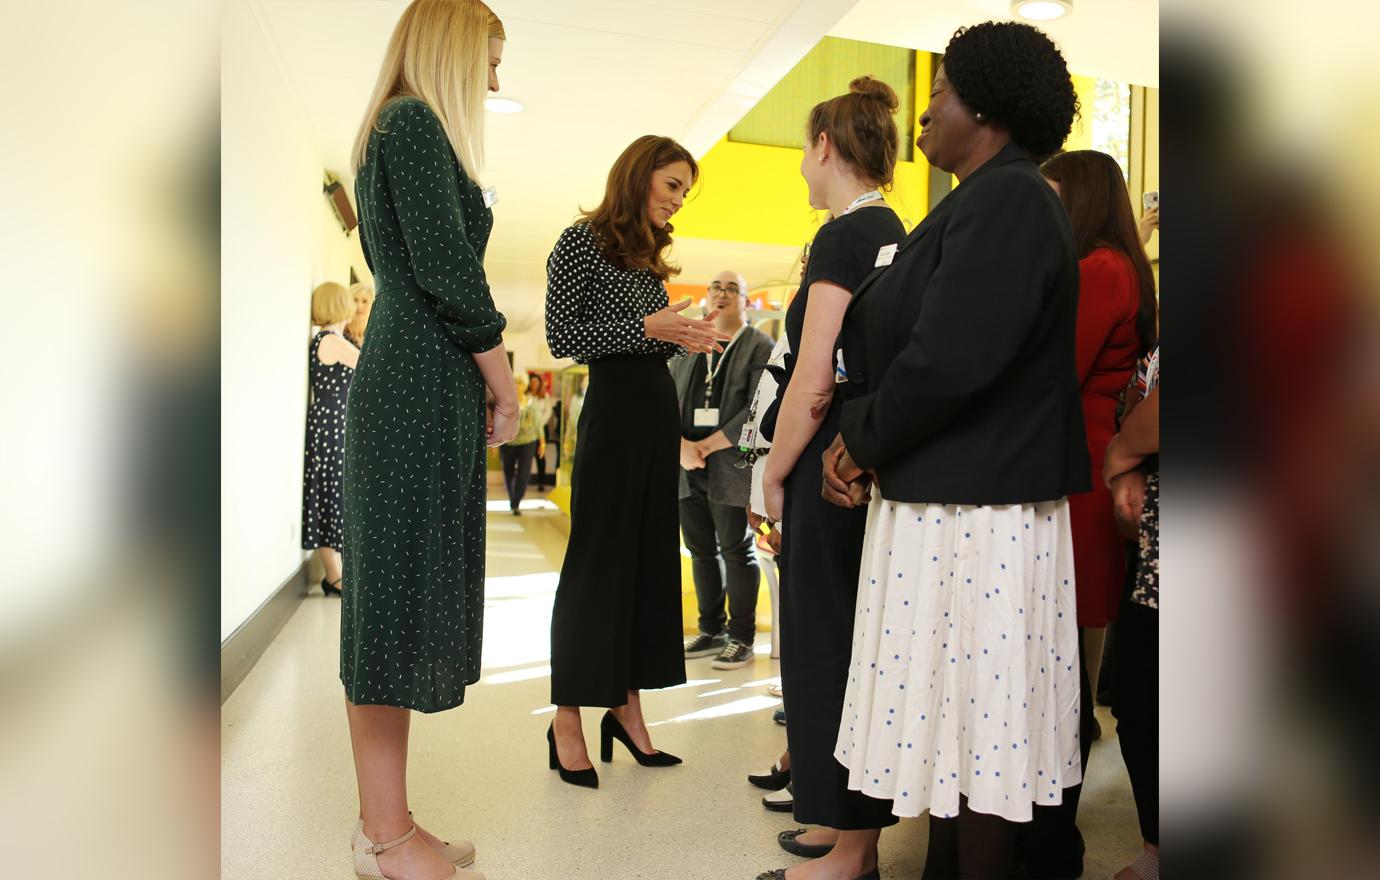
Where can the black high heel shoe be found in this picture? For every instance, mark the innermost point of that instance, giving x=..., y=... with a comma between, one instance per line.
x=610, y=729
x=330, y=589
x=584, y=778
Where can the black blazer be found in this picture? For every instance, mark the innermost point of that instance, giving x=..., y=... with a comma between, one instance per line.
x=962, y=386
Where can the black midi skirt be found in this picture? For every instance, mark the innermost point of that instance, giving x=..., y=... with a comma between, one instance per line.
x=616, y=623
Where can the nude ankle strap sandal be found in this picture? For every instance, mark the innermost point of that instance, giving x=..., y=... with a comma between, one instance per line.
x=367, y=854
x=461, y=853
x=367, y=858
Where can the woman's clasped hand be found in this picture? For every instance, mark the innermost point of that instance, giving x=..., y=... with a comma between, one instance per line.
x=845, y=484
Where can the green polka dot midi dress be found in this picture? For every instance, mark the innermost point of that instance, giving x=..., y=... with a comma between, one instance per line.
x=414, y=490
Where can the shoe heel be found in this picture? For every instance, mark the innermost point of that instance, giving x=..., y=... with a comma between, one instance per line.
x=605, y=746
x=551, y=749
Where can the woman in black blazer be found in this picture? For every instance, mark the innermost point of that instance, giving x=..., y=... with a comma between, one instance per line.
x=962, y=404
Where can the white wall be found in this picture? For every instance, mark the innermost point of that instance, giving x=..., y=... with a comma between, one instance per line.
x=279, y=239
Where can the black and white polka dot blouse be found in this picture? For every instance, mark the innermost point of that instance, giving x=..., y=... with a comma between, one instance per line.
x=595, y=309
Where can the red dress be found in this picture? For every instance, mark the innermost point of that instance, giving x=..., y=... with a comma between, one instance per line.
x=1108, y=345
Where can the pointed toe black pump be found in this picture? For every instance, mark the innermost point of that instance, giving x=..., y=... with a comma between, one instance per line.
x=588, y=778
x=610, y=729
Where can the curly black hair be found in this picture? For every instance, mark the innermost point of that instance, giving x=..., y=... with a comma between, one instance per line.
x=1015, y=75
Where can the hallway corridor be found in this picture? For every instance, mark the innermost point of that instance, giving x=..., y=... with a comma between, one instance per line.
x=480, y=771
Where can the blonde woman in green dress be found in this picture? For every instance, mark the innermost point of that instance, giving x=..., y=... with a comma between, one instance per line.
x=415, y=425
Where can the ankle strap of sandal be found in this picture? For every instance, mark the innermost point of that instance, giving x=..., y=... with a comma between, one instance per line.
x=374, y=849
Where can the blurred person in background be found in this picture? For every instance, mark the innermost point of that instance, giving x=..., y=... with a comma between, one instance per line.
x=363, y=296
x=964, y=683
x=516, y=455
x=543, y=408
x=416, y=427
x=616, y=621
x=1130, y=471
x=850, y=154
x=1117, y=317
x=714, y=393
x=1149, y=222
x=331, y=365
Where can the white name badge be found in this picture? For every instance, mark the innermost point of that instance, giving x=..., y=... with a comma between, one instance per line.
x=491, y=197
x=840, y=371
x=885, y=256
x=707, y=417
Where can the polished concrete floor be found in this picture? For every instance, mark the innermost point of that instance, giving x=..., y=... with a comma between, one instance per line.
x=288, y=793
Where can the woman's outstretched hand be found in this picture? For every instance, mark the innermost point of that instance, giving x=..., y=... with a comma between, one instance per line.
x=694, y=335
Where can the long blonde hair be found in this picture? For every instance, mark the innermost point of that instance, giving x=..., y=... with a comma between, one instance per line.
x=439, y=52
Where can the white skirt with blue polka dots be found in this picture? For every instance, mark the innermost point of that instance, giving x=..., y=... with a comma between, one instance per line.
x=964, y=677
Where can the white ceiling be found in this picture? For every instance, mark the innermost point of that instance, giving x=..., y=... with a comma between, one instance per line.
x=1112, y=39
x=595, y=74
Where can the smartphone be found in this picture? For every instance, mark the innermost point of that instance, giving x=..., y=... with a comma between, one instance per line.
x=1152, y=200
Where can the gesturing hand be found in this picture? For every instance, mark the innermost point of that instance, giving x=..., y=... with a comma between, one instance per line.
x=694, y=335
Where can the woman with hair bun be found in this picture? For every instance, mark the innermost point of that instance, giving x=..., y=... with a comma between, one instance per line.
x=850, y=155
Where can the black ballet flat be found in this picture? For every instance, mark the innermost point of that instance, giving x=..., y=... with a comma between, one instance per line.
x=774, y=779
x=329, y=589
x=583, y=778
x=610, y=729
x=788, y=842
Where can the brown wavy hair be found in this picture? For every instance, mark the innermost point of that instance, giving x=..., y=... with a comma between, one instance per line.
x=1094, y=194
x=620, y=223
x=861, y=127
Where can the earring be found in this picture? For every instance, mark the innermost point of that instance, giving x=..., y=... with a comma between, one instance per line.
x=981, y=117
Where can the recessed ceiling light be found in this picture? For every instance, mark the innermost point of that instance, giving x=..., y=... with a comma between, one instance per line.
x=1042, y=10
x=503, y=105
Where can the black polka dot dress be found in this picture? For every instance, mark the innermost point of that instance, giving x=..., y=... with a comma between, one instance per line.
x=616, y=621
x=414, y=481
x=325, y=451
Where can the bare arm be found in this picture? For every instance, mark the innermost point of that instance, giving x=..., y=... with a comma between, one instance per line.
x=337, y=350
x=1138, y=438
x=811, y=388
x=498, y=376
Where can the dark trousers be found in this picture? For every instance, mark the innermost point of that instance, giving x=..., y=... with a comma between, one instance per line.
x=1136, y=706
x=720, y=546
x=517, y=469
x=541, y=472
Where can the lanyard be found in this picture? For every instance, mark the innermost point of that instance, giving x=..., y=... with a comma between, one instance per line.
x=863, y=199
x=711, y=375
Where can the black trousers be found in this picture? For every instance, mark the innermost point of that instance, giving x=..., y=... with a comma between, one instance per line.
x=541, y=471
x=722, y=561
x=616, y=621
x=821, y=552
x=1136, y=706
x=517, y=469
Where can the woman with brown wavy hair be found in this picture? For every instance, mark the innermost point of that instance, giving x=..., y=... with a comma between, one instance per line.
x=616, y=623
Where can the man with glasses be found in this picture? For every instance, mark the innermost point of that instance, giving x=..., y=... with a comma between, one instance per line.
x=714, y=392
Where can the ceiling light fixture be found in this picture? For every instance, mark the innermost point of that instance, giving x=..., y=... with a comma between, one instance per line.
x=1041, y=10
x=503, y=105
